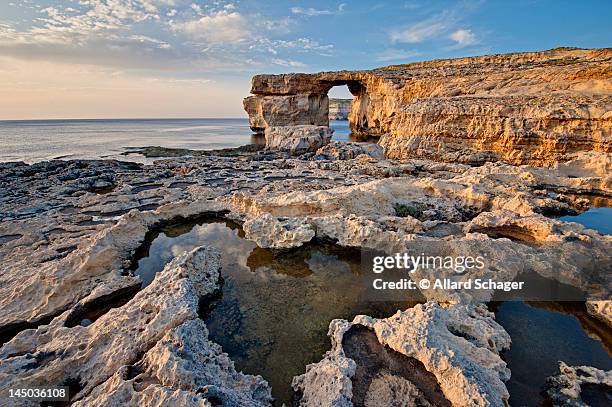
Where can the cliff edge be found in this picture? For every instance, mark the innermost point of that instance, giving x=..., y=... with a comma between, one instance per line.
x=536, y=108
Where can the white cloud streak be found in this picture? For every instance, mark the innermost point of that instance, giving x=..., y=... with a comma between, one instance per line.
x=312, y=12
x=424, y=30
x=463, y=37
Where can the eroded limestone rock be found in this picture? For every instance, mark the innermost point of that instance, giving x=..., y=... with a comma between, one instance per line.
x=298, y=140
x=346, y=151
x=508, y=231
x=525, y=108
x=91, y=270
x=270, y=232
x=339, y=109
x=161, y=322
x=579, y=386
x=55, y=227
x=183, y=369
x=459, y=345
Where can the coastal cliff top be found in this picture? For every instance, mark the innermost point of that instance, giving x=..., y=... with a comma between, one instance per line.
x=572, y=64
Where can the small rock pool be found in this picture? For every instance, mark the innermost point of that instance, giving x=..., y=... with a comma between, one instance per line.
x=598, y=218
x=273, y=315
x=544, y=334
x=274, y=311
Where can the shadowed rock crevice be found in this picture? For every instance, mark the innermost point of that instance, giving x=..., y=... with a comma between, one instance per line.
x=579, y=386
x=9, y=331
x=384, y=377
x=89, y=312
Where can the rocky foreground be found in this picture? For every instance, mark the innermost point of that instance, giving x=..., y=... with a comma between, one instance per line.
x=69, y=231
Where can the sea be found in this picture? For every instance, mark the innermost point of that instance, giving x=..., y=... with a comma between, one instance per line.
x=32, y=141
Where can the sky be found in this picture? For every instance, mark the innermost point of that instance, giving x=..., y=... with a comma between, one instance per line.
x=195, y=58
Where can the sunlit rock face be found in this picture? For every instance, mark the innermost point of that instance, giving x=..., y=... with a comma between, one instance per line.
x=339, y=109
x=298, y=140
x=424, y=355
x=533, y=108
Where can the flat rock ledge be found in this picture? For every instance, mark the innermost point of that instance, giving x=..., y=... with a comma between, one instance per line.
x=69, y=230
x=580, y=386
x=154, y=350
x=459, y=345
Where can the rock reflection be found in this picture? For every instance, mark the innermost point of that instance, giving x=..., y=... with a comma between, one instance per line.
x=276, y=306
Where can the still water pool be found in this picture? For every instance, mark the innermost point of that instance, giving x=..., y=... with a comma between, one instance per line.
x=544, y=334
x=275, y=308
x=599, y=219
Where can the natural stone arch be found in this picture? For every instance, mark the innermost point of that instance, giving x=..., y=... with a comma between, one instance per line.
x=524, y=108
x=301, y=99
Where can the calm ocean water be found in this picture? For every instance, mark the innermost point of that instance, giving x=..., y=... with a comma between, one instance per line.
x=39, y=140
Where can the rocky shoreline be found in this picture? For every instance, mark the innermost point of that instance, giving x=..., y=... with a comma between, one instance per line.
x=479, y=155
x=70, y=228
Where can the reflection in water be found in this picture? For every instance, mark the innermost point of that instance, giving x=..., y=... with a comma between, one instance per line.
x=540, y=339
x=275, y=310
x=342, y=132
x=273, y=315
x=599, y=219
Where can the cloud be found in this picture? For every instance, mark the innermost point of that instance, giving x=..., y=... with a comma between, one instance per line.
x=196, y=7
x=312, y=12
x=218, y=27
x=158, y=35
x=463, y=37
x=288, y=63
x=299, y=45
x=145, y=39
x=396, y=55
x=424, y=30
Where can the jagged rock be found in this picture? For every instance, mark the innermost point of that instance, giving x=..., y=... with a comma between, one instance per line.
x=326, y=383
x=394, y=391
x=569, y=387
x=362, y=216
x=523, y=108
x=528, y=228
x=347, y=151
x=459, y=345
x=93, y=268
x=160, y=322
x=297, y=140
x=601, y=310
x=270, y=232
x=54, y=228
x=183, y=369
x=287, y=110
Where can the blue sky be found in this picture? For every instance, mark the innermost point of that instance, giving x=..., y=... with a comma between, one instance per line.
x=194, y=58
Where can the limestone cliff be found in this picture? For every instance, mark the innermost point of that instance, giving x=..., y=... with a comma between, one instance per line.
x=339, y=109
x=526, y=108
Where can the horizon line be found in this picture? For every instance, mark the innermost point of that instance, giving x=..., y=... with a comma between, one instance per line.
x=122, y=118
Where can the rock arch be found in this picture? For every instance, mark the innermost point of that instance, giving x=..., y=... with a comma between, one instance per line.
x=534, y=108
x=301, y=99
